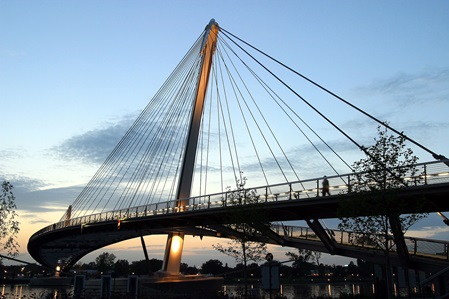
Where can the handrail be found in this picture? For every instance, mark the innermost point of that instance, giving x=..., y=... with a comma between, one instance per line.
x=278, y=192
x=429, y=248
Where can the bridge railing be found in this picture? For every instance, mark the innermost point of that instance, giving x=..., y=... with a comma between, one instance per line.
x=429, y=173
x=416, y=246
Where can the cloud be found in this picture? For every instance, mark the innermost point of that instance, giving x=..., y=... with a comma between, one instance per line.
x=6, y=155
x=306, y=159
x=34, y=219
x=48, y=200
x=429, y=232
x=426, y=87
x=413, y=103
x=11, y=153
x=93, y=146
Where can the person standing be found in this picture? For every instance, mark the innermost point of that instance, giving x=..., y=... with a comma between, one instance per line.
x=325, y=189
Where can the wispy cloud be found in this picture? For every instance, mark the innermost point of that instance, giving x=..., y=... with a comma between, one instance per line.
x=429, y=232
x=11, y=153
x=49, y=200
x=34, y=219
x=25, y=184
x=426, y=87
x=93, y=146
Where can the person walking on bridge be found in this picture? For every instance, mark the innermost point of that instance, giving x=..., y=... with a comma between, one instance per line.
x=325, y=189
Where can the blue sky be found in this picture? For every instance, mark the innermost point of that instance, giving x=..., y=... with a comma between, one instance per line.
x=75, y=74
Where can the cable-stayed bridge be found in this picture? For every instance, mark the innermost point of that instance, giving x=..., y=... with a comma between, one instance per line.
x=206, y=215
x=226, y=119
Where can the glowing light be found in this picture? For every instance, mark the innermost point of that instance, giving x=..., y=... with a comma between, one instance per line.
x=58, y=268
x=176, y=244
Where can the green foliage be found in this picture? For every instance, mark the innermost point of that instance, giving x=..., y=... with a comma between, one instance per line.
x=187, y=270
x=212, y=267
x=388, y=167
x=9, y=226
x=245, y=222
x=243, y=251
x=121, y=268
x=105, y=262
x=304, y=255
x=240, y=195
x=145, y=267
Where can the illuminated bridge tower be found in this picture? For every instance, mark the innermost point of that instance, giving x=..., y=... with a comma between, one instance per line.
x=173, y=249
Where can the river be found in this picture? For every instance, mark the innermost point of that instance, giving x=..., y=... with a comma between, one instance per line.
x=299, y=291
x=305, y=291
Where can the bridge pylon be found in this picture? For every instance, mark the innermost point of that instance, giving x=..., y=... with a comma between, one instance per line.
x=175, y=241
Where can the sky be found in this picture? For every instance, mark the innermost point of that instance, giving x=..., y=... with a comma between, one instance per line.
x=75, y=74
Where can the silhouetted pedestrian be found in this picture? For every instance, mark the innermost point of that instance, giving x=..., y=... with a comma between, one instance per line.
x=325, y=190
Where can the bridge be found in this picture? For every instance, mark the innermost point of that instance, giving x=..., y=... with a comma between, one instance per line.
x=71, y=239
x=203, y=132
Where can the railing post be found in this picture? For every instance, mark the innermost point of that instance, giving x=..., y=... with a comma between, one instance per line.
x=425, y=174
x=317, y=188
x=447, y=252
x=349, y=183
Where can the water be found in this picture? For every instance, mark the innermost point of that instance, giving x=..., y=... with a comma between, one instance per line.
x=302, y=291
x=24, y=291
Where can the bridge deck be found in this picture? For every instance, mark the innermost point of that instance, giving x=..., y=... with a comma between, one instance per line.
x=71, y=239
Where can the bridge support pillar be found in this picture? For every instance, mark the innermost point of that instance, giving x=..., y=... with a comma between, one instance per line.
x=318, y=229
x=175, y=241
x=173, y=253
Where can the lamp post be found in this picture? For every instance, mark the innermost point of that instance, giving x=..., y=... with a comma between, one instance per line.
x=269, y=258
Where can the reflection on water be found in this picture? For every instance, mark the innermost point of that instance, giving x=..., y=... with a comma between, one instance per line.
x=303, y=291
x=297, y=291
x=14, y=291
x=20, y=291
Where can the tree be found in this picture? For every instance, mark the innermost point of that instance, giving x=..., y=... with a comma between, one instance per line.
x=246, y=223
x=302, y=258
x=144, y=267
x=155, y=265
x=140, y=267
x=212, y=267
x=121, y=268
x=378, y=177
x=105, y=262
x=188, y=270
x=9, y=226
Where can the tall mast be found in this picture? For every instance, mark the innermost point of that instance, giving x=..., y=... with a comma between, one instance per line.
x=207, y=52
x=173, y=249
